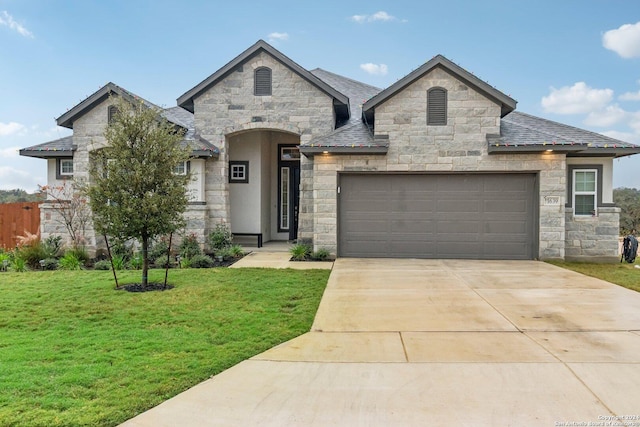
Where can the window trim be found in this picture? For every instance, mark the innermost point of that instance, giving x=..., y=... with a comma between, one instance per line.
x=187, y=168
x=245, y=178
x=112, y=110
x=593, y=192
x=598, y=167
x=430, y=119
x=264, y=91
x=59, y=173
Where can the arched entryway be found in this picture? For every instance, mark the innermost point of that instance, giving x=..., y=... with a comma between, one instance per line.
x=264, y=183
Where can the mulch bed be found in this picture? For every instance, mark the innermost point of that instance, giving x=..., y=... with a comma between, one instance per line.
x=137, y=287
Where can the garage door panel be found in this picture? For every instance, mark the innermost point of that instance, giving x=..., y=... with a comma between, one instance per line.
x=477, y=216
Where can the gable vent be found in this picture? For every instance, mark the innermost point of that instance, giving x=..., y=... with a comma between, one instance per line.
x=437, y=106
x=262, y=81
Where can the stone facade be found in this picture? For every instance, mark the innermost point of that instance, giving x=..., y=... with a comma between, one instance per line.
x=460, y=146
x=593, y=238
x=229, y=107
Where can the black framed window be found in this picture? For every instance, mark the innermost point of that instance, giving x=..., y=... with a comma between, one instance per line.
x=64, y=168
x=238, y=172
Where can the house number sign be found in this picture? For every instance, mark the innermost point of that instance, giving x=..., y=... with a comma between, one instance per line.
x=552, y=200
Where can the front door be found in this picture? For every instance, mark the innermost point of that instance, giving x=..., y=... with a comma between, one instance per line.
x=288, y=190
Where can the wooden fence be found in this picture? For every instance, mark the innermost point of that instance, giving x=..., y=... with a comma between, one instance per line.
x=15, y=219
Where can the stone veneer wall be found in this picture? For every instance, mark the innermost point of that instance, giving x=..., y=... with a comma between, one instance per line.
x=593, y=238
x=296, y=106
x=460, y=146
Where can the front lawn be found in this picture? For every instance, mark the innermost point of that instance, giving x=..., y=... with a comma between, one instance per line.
x=74, y=351
x=622, y=274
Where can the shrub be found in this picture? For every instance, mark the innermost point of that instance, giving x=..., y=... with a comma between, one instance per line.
x=4, y=257
x=136, y=262
x=123, y=249
x=220, y=238
x=52, y=246
x=70, y=261
x=321, y=254
x=158, y=249
x=31, y=254
x=185, y=263
x=104, y=264
x=300, y=252
x=119, y=262
x=236, y=251
x=18, y=264
x=201, y=261
x=189, y=247
x=161, y=261
x=49, y=264
x=80, y=253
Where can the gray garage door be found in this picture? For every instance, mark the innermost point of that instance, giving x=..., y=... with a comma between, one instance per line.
x=469, y=216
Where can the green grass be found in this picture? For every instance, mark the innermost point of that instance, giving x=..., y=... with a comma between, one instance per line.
x=74, y=351
x=622, y=274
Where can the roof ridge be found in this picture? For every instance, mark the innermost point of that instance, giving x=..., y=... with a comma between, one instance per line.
x=345, y=78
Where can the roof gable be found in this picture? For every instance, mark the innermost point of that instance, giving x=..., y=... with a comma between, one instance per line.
x=507, y=103
x=67, y=119
x=186, y=100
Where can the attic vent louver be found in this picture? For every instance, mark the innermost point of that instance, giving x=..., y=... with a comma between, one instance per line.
x=437, y=106
x=262, y=81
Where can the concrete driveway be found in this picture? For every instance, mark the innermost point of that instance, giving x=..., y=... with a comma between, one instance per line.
x=438, y=342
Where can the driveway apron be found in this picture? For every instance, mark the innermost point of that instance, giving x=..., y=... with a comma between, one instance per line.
x=438, y=342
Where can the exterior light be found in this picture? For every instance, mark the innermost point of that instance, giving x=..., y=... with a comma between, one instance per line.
x=325, y=152
x=549, y=150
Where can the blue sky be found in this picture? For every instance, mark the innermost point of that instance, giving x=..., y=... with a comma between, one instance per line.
x=577, y=62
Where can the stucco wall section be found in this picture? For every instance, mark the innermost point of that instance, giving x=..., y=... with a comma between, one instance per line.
x=460, y=146
x=295, y=106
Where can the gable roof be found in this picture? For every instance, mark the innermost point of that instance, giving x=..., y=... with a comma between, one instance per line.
x=67, y=119
x=341, y=102
x=524, y=133
x=507, y=103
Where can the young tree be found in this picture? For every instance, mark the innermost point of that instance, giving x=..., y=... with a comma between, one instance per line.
x=70, y=202
x=134, y=192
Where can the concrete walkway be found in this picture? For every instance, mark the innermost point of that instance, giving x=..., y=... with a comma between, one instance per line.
x=433, y=342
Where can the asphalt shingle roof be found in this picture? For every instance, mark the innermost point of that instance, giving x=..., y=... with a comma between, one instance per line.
x=62, y=147
x=520, y=131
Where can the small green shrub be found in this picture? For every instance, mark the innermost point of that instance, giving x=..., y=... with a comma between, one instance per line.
x=161, y=261
x=158, y=249
x=236, y=251
x=5, y=260
x=52, y=246
x=189, y=247
x=220, y=238
x=49, y=264
x=185, y=263
x=201, y=261
x=32, y=254
x=70, y=261
x=136, y=262
x=80, y=253
x=321, y=254
x=123, y=249
x=119, y=262
x=18, y=264
x=300, y=252
x=104, y=264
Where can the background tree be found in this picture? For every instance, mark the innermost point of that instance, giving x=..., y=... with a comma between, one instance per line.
x=628, y=200
x=134, y=192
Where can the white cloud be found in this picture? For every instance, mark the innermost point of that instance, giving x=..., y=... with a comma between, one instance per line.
x=378, y=16
x=630, y=96
x=7, y=20
x=625, y=41
x=610, y=116
x=577, y=99
x=278, y=37
x=633, y=138
x=375, y=69
x=10, y=128
x=6, y=153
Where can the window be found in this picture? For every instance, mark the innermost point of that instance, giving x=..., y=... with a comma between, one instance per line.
x=585, y=184
x=64, y=168
x=182, y=168
x=289, y=153
x=284, y=198
x=238, y=172
x=437, y=106
x=262, y=81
